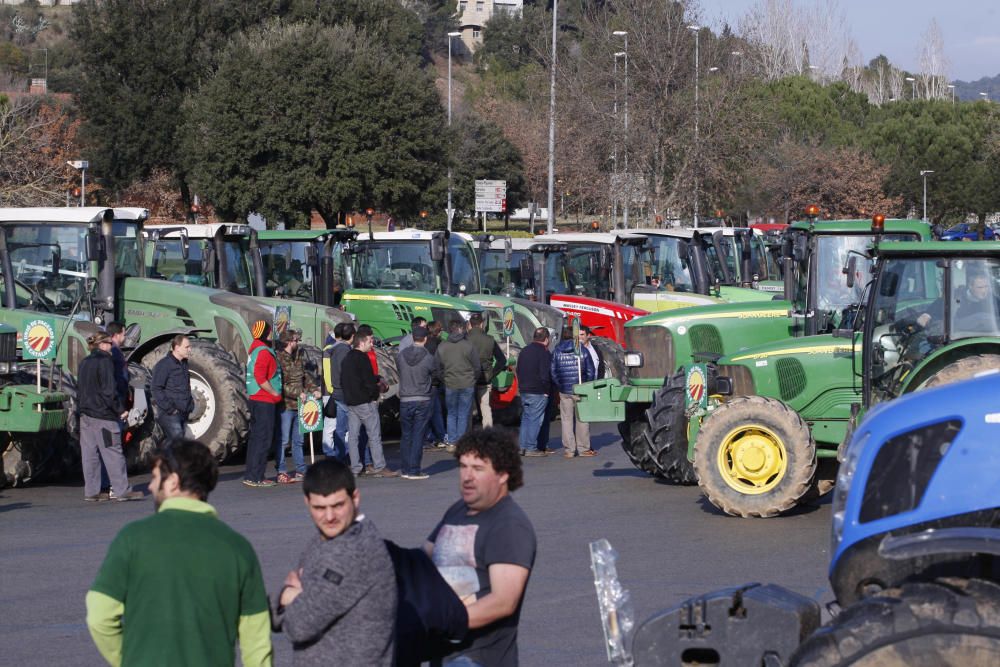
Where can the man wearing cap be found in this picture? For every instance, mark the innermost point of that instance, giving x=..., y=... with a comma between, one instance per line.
x=491, y=362
x=264, y=391
x=101, y=410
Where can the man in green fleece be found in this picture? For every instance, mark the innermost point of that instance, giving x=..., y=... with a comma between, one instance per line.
x=179, y=587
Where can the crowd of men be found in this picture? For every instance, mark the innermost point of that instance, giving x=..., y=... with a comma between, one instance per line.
x=183, y=586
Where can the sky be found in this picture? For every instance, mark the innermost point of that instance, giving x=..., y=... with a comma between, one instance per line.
x=970, y=28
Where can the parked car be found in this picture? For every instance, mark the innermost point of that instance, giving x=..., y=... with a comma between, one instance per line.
x=966, y=232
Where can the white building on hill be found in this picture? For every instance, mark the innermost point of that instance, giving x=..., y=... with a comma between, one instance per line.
x=473, y=15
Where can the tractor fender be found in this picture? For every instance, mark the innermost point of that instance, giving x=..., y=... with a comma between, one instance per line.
x=137, y=353
x=946, y=355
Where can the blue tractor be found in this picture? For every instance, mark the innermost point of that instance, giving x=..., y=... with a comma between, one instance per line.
x=916, y=540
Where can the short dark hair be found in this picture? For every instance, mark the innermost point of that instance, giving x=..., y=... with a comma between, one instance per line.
x=194, y=464
x=418, y=322
x=498, y=446
x=365, y=330
x=347, y=331
x=476, y=319
x=115, y=328
x=434, y=328
x=177, y=341
x=456, y=326
x=586, y=330
x=328, y=476
x=541, y=334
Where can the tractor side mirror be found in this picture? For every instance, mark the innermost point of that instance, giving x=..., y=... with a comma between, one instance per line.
x=800, y=248
x=438, y=242
x=56, y=261
x=508, y=249
x=684, y=250
x=851, y=270
x=207, y=261
x=311, y=259
x=93, y=244
x=527, y=271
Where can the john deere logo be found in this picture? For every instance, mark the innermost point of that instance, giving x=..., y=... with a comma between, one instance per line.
x=39, y=340
x=696, y=390
x=310, y=415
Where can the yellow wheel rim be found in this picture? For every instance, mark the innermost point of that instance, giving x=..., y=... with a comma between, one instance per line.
x=752, y=459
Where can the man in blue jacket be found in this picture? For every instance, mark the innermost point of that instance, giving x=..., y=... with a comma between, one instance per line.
x=570, y=367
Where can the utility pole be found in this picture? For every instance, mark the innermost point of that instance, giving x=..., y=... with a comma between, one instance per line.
x=552, y=124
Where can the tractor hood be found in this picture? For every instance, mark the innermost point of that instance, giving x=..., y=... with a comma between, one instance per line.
x=426, y=298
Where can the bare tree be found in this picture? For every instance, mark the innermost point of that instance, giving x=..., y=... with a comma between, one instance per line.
x=32, y=170
x=933, y=74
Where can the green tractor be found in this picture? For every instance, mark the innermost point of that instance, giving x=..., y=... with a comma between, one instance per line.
x=931, y=317
x=82, y=268
x=650, y=407
x=30, y=417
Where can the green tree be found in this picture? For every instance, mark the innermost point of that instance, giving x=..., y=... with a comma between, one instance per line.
x=483, y=152
x=304, y=117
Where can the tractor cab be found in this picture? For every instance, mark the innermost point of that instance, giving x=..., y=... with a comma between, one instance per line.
x=418, y=261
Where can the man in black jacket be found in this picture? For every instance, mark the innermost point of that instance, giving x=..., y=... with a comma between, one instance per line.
x=361, y=394
x=534, y=382
x=171, y=387
x=101, y=410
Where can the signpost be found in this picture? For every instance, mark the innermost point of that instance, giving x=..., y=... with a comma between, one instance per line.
x=491, y=197
x=576, y=349
x=39, y=342
x=311, y=420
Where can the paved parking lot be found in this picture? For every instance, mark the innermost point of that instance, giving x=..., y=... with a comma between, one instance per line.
x=670, y=543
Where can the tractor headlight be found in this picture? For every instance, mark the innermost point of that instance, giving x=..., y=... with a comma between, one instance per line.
x=5, y=367
x=845, y=476
x=633, y=359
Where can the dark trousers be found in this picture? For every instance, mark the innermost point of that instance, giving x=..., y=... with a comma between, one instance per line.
x=436, y=427
x=414, y=416
x=173, y=427
x=550, y=411
x=262, y=429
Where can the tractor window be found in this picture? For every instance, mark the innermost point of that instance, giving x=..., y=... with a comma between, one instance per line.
x=50, y=265
x=169, y=264
x=975, y=298
x=762, y=261
x=667, y=264
x=128, y=260
x=237, y=278
x=464, y=270
x=581, y=271
x=286, y=271
x=501, y=276
x=635, y=266
x=395, y=265
x=714, y=262
x=832, y=292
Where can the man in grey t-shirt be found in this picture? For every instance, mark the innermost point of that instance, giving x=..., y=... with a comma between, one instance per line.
x=485, y=547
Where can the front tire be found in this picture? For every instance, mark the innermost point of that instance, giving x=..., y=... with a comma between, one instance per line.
x=963, y=369
x=221, y=416
x=633, y=431
x=666, y=433
x=946, y=622
x=755, y=457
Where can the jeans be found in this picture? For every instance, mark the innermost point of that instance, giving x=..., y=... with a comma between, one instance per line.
x=435, y=428
x=335, y=436
x=289, y=421
x=173, y=427
x=365, y=415
x=262, y=420
x=534, y=407
x=459, y=404
x=543, y=430
x=414, y=416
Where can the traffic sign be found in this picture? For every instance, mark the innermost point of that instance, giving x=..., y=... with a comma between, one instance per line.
x=39, y=340
x=491, y=196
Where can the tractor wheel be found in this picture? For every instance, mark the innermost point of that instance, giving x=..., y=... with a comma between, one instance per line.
x=963, y=369
x=633, y=431
x=614, y=358
x=666, y=433
x=221, y=416
x=140, y=441
x=946, y=622
x=824, y=480
x=44, y=455
x=388, y=405
x=755, y=457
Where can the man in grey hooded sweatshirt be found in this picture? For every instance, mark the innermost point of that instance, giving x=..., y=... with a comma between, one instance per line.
x=418, y=369
x=460, y=368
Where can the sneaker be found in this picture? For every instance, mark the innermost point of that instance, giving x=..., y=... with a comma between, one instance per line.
x=384, y=473
x=534, y=452
x=249, y=483
x=419, y=475
x=298, y=477
x=131, y=495
x=450, y=449
x=285, y=478
x=95, y=499
x=266, y=483
x=568, y=454
x=440, y=444
x=367, y=471
x=589, y=452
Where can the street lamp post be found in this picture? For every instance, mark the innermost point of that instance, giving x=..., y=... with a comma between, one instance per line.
x=951, y=87
x=82, y=166
x=614, y=150
x=696, y=29
x=449, y=211
x=737, y=54
x=551, y=222
x=985, y=96
x=628, y=180
x=913, y=87
x=923, y=174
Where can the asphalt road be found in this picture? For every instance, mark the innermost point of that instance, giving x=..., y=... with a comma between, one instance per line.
x=671, y=545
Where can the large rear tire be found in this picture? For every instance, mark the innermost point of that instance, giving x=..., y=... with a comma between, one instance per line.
x=221, y=416
x=144, y=438
x=947, y=622
x=963, y=369
x=755, y=457
x=614, y=358
x=666, y=433
x=633, y=431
